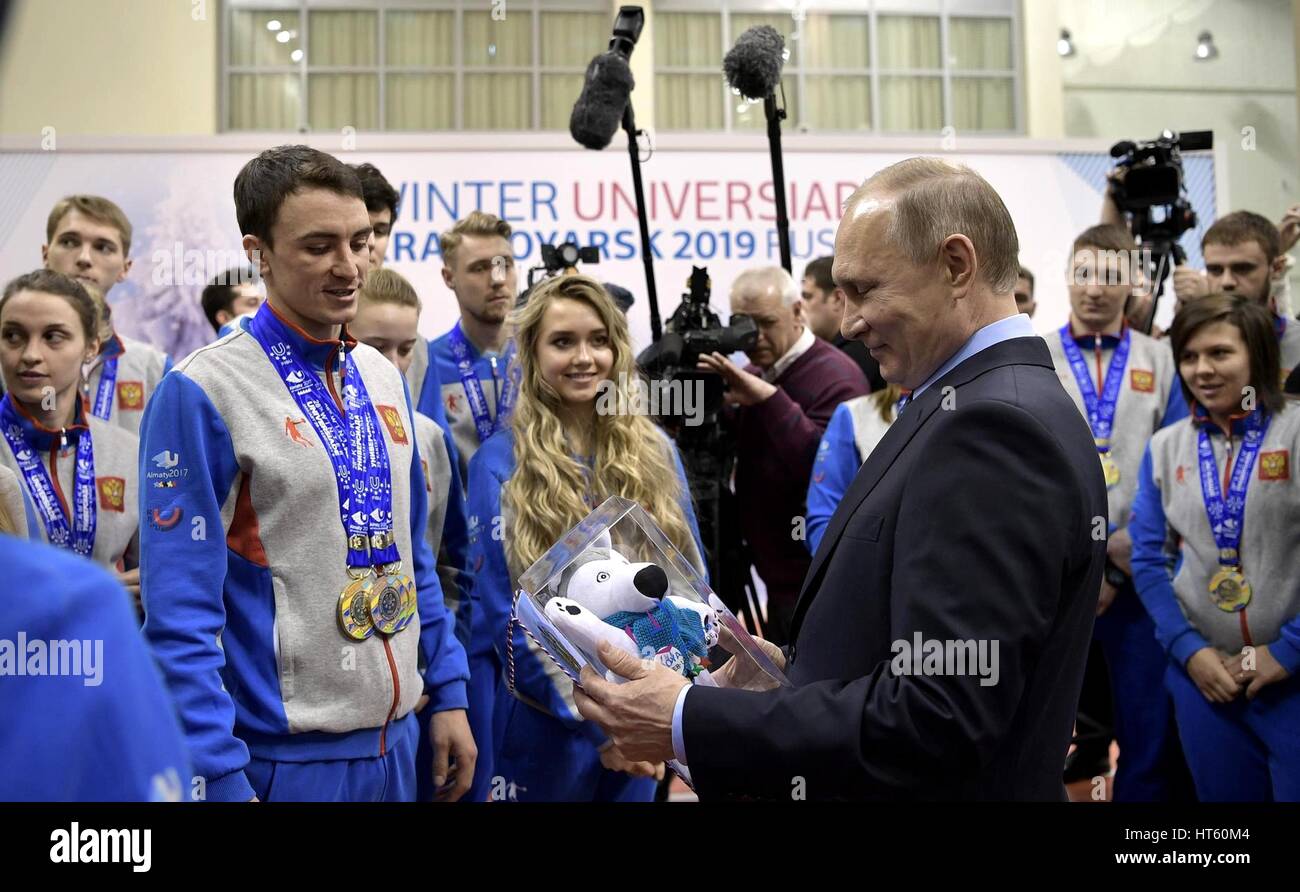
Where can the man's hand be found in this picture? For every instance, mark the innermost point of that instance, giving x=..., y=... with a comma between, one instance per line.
x=1289, y=228
x=130, y=580
x=612, y=758
x=741, y=672
x=1216, y=683
x=745, y=389
x=638, y=714
x=454, y=754
x=1107, y=596
x=1189, y=284
x=1119, y=548
x=1267, y=671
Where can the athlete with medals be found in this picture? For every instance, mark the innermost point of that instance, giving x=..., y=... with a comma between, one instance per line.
x=1123, y=383
x=287, y=448
x=78, y=472
x=1216, y=524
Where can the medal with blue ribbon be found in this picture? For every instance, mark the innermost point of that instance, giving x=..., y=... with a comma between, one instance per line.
x=506, y=391
x=376, y=599
x=1229, y=589
x=1099, y=409
x=79, y=536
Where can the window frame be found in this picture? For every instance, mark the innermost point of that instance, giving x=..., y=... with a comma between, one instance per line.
x=944, y=10
x=303, y=68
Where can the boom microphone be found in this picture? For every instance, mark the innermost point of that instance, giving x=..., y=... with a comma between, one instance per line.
x=605, y=93
x=753, y=65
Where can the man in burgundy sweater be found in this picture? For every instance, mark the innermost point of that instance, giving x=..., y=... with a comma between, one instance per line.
x=785, y=400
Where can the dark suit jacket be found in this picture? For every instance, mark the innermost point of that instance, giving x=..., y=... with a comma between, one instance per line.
x=984, y=519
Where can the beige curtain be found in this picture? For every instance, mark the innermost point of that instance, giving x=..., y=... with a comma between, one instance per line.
x=689, y=101
x=839, y=101
x=980, y=44
x=264, y=101
x=420, y=102
x=416, y=39
x=909, y=42
x=983, y=103
x=911, y=104
x=420, y=38
x=568, y=40
x=335, y=101
x=252, y=43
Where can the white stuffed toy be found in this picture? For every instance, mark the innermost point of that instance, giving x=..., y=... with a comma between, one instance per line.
x=604, y=597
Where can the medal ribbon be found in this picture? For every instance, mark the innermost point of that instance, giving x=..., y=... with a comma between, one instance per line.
x=474, y=389
x=81, y=537
x=103, y=407
x=352, y=442
x=1225, y=514
x=1100, y=410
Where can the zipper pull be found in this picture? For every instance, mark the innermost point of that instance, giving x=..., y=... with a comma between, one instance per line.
x=63, y=439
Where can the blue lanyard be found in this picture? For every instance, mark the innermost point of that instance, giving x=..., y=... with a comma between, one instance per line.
x=81, y=536
x=1101, y=411
x=1226, y=514
x=351, y=439
x=103, y=406
x=474, y=389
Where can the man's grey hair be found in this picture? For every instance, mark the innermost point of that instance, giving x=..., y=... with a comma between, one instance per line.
x=934, y=199
x=761, y=278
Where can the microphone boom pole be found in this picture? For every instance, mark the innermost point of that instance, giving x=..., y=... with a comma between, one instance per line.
x=774, y=117
x=629, y=126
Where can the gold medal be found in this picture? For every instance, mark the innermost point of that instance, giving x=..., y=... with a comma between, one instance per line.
x=392, y=601
x=1229, y=590
x=354, y=608
x=1109, y=470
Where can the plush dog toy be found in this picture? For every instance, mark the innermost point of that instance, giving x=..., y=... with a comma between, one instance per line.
x=605, y=597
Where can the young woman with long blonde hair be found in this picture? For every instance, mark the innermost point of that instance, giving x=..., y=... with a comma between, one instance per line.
x=528, y=484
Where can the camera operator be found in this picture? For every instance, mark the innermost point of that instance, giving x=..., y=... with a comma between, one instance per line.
x=786, y=398
x=1244, y=254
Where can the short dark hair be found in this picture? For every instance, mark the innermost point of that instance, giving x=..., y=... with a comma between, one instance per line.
x=219, y=294
x=1256, y=326
x=376, y=190
x=266, y=181
x=819, y=271
x=1028, y=277
x=1107, y=237
x=47, y=281
x=1240, y=227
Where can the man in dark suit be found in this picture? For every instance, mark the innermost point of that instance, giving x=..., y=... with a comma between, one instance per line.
x=942, y=628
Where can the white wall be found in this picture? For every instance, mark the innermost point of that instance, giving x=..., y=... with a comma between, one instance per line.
x=1134, y=75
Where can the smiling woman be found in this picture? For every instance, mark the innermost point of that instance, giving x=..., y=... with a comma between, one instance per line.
x=1221, y=484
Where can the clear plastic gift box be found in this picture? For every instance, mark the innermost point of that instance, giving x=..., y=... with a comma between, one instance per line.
x=616, y=577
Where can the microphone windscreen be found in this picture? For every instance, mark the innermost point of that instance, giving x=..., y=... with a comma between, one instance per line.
x=605, y=94
x=753, y=66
